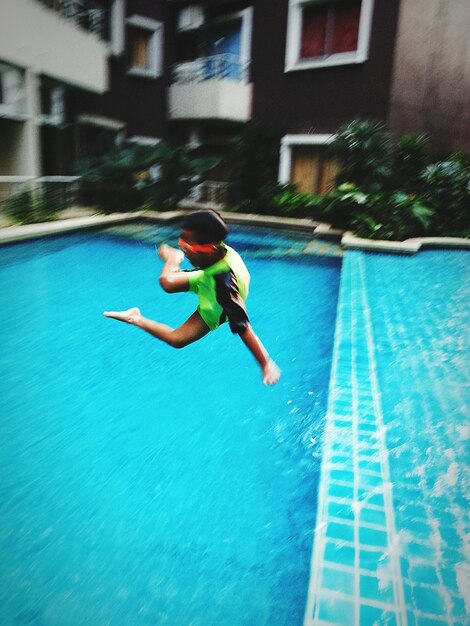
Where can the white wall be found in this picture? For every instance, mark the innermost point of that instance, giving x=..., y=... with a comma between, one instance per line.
x=32, y=36
x=211, y=99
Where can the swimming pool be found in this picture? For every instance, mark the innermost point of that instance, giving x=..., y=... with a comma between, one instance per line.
x=391, y=545
x=143, y=485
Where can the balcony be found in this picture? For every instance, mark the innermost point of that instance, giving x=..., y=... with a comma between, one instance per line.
x=85, y=14
x=50, y=37
x=212, y=87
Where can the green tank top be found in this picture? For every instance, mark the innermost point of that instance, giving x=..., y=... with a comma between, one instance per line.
x=222, y=290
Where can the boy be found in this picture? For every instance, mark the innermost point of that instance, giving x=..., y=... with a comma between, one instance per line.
x=220, y=281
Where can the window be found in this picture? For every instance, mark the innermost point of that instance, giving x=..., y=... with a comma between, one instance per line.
x=305, y=163
x=96, y=135
x=312, y=171
x=52, y=103
x=322, y=33
x=145, y=41
x=190, y=18
x=12, y=91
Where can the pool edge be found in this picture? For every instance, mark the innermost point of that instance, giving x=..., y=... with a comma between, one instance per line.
x=336, y=591
x=318, y=230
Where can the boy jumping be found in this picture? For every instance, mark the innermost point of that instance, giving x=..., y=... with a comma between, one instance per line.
x=220, y=281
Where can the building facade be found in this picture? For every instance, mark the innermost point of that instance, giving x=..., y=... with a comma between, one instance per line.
x=76, y=78
x=80, y=76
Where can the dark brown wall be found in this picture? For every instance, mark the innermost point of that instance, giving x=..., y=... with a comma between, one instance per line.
x=319, y=100
x=139, y=102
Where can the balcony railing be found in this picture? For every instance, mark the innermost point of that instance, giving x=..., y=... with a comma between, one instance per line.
x=85, y=14
x=216, y=67
x=210, y=192
x=65, y=188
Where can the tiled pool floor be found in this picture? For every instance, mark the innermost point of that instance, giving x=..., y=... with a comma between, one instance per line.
x=391, y=544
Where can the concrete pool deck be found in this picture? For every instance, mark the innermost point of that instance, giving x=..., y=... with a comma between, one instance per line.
x=319, y=230
x=365, y=571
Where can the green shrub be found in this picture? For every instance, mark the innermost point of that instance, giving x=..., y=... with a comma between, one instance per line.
x=289, y=202
x=254, y=165
x=366, y=152
x=389, y=187
x=18, y=206
x=39, y=204
x=410, y=157
x=378, y=215
x=446, y=188
x=128, y=178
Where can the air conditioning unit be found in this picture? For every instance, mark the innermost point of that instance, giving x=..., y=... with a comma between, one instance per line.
x=190, y=18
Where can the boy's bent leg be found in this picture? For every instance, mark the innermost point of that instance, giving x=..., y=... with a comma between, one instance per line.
x=193, y=329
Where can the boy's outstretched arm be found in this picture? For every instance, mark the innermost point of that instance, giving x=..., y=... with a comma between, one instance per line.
x=172, y=279
x=271, y=372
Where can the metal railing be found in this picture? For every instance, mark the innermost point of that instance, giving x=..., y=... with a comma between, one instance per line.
x=71, y=191
x=216, y=67
x=67, y=187
x=210, y=192
x=85, y=14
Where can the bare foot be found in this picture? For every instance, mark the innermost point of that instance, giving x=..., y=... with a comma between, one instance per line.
x=131, y=316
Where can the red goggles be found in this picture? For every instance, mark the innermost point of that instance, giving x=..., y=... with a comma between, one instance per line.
x=197, y=248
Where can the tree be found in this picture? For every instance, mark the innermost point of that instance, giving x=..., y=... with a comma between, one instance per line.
x=131, y=177
x=254, y=162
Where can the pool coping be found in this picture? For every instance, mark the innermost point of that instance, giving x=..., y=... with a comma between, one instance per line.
x=355, y=515
x=319, y=230
x=349, y=241
x=11, y=234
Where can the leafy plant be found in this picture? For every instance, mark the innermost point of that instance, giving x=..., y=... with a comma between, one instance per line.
x=365, y=151
x=378, y=215
x=410, y=157
x=176, y=174
x=34, y=205
x=254, y=162
x=127, y=178
x=447, y=189
x=389, y=188
x=288, y=201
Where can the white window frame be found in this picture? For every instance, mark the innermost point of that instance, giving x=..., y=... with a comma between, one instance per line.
x=294, y=35
x=190, y=18
x=89, y=119
x=117, y=18
x=288, y=142
x=14, y=103
x=56, y=115
x=143, y=140
x=102, y=122
x=155, y=31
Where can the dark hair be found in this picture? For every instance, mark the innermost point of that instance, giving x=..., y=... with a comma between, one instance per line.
x=207, y=226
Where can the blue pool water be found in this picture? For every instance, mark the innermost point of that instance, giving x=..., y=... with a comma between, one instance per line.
x=144, y=485
x=421, y=326
x=391, y=545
